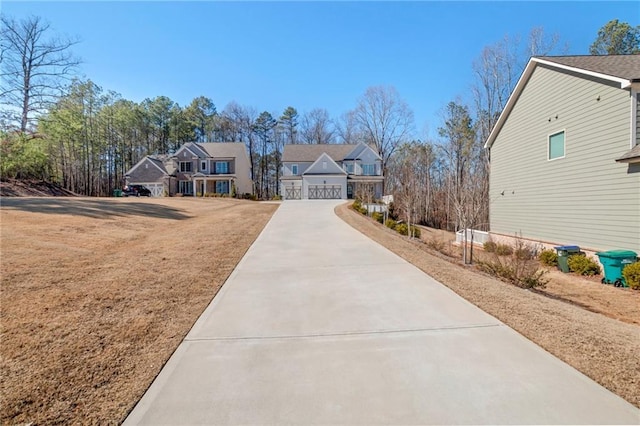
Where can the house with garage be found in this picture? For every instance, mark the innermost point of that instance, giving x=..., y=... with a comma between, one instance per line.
x=565, y=154
x=196, y=169
x=325, y=171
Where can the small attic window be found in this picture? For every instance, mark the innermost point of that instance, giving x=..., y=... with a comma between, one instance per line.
x=324, y=165
x=556, y=146
x=146, y=166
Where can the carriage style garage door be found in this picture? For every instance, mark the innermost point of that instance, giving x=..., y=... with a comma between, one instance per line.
x=157, y=189
x=325, y=192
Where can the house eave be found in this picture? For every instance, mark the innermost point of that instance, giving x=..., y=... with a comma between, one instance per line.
x=524, y=78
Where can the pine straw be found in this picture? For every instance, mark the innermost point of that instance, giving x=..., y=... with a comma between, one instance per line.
x=98, y=293
x=600, y=347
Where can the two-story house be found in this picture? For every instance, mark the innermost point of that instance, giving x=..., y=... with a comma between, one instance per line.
x=565, y=154
x=196, y=169
x=331, y=172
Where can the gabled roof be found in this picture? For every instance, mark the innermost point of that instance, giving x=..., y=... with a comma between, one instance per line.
x=154, y=161
x=621, y=69
x=309, y=153
x=193, y=149
x=332, y=169
x=359, y=150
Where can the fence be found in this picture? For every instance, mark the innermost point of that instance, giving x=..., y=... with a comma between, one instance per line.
x=479, y=237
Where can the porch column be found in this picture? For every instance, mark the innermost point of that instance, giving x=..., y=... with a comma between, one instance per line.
x=204, y=186
x=229, y=188
x=195, y=187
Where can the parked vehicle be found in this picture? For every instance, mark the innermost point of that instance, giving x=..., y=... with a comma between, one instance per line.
x=136, y=191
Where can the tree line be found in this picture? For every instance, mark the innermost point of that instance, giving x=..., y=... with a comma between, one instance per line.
x=57, y=127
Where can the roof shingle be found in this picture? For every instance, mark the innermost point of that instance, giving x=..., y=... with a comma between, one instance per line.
x=621, y=66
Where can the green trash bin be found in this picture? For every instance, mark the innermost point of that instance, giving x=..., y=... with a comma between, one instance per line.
x=563, y=255
x=117, y=192
x=614, y=262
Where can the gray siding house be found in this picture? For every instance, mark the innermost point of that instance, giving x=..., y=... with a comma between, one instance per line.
x=565, y=154
x=330, y=172
x=196, y=169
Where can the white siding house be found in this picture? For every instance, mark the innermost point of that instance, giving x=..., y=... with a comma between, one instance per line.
x=330, y=171
x=565, y=165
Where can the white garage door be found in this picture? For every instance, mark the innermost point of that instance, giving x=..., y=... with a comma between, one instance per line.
x=156, y=189
x=325, y=192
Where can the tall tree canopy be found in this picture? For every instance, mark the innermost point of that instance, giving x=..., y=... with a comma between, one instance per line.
x=35, y=66
x=385, y=119
x=617, y=38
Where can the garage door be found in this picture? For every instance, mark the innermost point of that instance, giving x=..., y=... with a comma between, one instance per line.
x=156, y=189
x=325, y=192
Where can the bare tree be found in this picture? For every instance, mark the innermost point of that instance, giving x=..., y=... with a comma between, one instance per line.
x=348, y=129
x=386, y=120
x=239, y=122
x=316, y=127
x=34, y=68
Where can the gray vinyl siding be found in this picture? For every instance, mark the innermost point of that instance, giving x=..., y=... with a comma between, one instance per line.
x=146, y=172
x=585, y=198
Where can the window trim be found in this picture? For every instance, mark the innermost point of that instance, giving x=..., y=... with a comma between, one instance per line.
x=564, y=145
x=203, y=165
x=294, y=170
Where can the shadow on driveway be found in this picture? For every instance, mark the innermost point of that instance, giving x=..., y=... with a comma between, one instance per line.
x=99, y=208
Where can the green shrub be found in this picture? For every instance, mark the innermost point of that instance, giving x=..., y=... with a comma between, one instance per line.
x=548, y=257
x=489, y=247
x=377, y=216
x=631, y=274
x=583, y=265
x=415, y=231
x=390, y=223
x=402, y=229
x=504, y=250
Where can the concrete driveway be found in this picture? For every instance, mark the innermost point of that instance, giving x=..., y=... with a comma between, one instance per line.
x=319, y=325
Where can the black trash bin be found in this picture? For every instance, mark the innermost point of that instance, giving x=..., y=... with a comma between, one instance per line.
x=563, y=255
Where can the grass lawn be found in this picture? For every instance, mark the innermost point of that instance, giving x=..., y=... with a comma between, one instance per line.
x=577, y=320
x=98, y=293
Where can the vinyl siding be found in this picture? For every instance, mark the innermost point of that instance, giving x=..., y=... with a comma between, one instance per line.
x=585, y=198
x=146, y=172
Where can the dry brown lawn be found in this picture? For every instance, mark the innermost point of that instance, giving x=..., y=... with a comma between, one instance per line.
x=98, y=293
x=600, y=346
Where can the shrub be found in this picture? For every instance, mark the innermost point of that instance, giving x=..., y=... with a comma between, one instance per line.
x=436, y=244
x=631, y=274
x=489, y=247
x=390, y=223
x=277, y=198
x=504, y=250
x=377, y=216
x=415, y=231
x=548, y=257
x=583, y=265
x=518, y=267
x=402, y=229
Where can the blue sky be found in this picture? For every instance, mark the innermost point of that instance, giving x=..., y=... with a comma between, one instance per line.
x=270, y=55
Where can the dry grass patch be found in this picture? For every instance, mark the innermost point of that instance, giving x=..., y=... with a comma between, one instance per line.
x=98, y=293
x=600, y=347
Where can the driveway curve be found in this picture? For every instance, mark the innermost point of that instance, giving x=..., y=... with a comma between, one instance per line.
x=320, y=325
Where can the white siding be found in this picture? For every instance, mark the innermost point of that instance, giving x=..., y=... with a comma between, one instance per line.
x=585, y=198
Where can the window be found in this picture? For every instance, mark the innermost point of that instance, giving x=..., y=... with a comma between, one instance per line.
x=203, y=166
x=185, y=166
x=222, y=187
x=222, y=167
x=349, y=168
x=185, y=187
x=369, y=169
x=556, y=146
x=294, y=169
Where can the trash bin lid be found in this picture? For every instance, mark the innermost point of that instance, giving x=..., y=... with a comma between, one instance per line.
x=568, y=248
x=618, y=254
